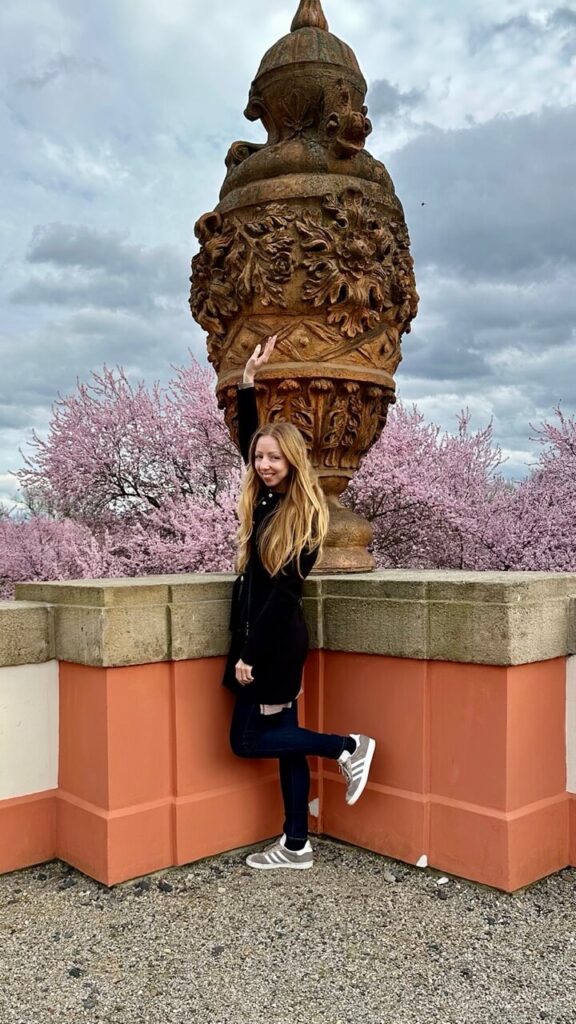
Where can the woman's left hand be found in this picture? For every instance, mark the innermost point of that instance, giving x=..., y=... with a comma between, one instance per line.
x=244, y=673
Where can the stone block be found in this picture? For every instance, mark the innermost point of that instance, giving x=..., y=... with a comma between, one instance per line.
x=105, y=637
x=393, y=584
x=372, y=626
x=26, y=633
x=200, y=629
x=193, y=587
x=467, y=631
x=500, y=618
x=200, y=615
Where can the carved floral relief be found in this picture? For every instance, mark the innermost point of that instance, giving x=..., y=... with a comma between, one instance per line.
x=353, y=264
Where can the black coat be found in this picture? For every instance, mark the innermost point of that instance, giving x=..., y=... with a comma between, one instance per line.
x=267, y=623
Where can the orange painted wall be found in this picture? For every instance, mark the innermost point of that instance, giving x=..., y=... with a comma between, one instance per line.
x=388, y=699
x=115, y=734
x=536, y=738
x=469, y=769
x=27, y=830
x=221, y=801
x=147, y=778
x=470, y=765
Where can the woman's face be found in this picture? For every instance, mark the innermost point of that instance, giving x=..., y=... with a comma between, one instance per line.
x=270, y=464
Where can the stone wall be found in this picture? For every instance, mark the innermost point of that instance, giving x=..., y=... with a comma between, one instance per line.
x=467, y=681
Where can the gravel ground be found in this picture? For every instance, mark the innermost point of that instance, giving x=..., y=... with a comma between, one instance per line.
x=358, y=939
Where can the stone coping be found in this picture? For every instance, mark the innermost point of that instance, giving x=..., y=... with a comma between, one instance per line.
x=26, y=633
x=493, y=618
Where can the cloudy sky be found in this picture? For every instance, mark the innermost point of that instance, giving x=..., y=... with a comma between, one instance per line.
x=115, y=118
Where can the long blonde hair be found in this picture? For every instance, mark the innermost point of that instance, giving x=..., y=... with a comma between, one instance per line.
x=299, y=521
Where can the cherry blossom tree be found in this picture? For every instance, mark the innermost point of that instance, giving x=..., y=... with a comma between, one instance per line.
x=149, y=479
x=45, y=549
x=115, y=449
x=433, y=498
x=541, y=530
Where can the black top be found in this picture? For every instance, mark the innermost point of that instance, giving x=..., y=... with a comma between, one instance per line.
x=266, y=610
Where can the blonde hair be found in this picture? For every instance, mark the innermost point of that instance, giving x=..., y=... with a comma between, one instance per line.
x=299, y=521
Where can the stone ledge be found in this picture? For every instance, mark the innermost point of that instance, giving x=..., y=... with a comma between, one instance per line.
x=471, y=617
x=26, y=633
x=492, y=618
x=126, y=621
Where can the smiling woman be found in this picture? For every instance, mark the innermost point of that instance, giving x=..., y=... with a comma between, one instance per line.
x=283, y=522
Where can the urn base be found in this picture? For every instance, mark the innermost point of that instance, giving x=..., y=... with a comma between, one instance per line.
x=345, y=548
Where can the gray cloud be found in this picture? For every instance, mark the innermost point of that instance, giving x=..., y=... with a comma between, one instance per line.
x=61, y=65
x=522, y=23
x=66, y=245
x=89, y=268
x=499, y=196
x=495, y=252
x=564, y=17
x=556, y=27
x=387, y=100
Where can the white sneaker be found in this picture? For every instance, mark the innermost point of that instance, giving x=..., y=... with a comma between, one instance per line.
x=277, y=856
x=356, y=767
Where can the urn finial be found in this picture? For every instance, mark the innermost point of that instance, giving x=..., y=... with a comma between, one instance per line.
x=310, y=15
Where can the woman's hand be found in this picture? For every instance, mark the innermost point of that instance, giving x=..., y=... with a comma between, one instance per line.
x=244, y=673
x=258, y=358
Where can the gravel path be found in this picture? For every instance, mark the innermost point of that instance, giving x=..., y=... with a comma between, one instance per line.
x=357, y=939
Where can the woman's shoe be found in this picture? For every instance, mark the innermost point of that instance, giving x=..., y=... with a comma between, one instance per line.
x=356, y=767
x=277, y=856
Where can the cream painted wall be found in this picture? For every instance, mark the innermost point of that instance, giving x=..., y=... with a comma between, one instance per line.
x=28, y=729
x=571, y=723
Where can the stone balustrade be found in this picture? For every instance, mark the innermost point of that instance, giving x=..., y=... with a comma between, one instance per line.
x=113, y=725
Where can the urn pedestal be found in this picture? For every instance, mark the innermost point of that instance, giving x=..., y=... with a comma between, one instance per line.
x=309, y=242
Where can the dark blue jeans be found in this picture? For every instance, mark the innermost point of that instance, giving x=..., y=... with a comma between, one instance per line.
x=255, y=735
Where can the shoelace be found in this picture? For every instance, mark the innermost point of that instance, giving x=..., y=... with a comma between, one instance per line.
x=343, y=767
x=273, y=846
x=276, y=854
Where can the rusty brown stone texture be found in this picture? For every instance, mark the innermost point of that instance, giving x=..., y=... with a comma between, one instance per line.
x=309, y=241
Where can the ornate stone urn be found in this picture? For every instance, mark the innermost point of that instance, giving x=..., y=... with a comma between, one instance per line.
x=309, y=241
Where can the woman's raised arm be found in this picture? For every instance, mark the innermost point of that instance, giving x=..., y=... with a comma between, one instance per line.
x=247, y=408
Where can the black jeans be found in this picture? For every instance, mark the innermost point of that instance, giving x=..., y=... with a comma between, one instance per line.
x=255, y=735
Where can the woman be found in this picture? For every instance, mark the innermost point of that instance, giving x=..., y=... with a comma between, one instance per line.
x=283, y=522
